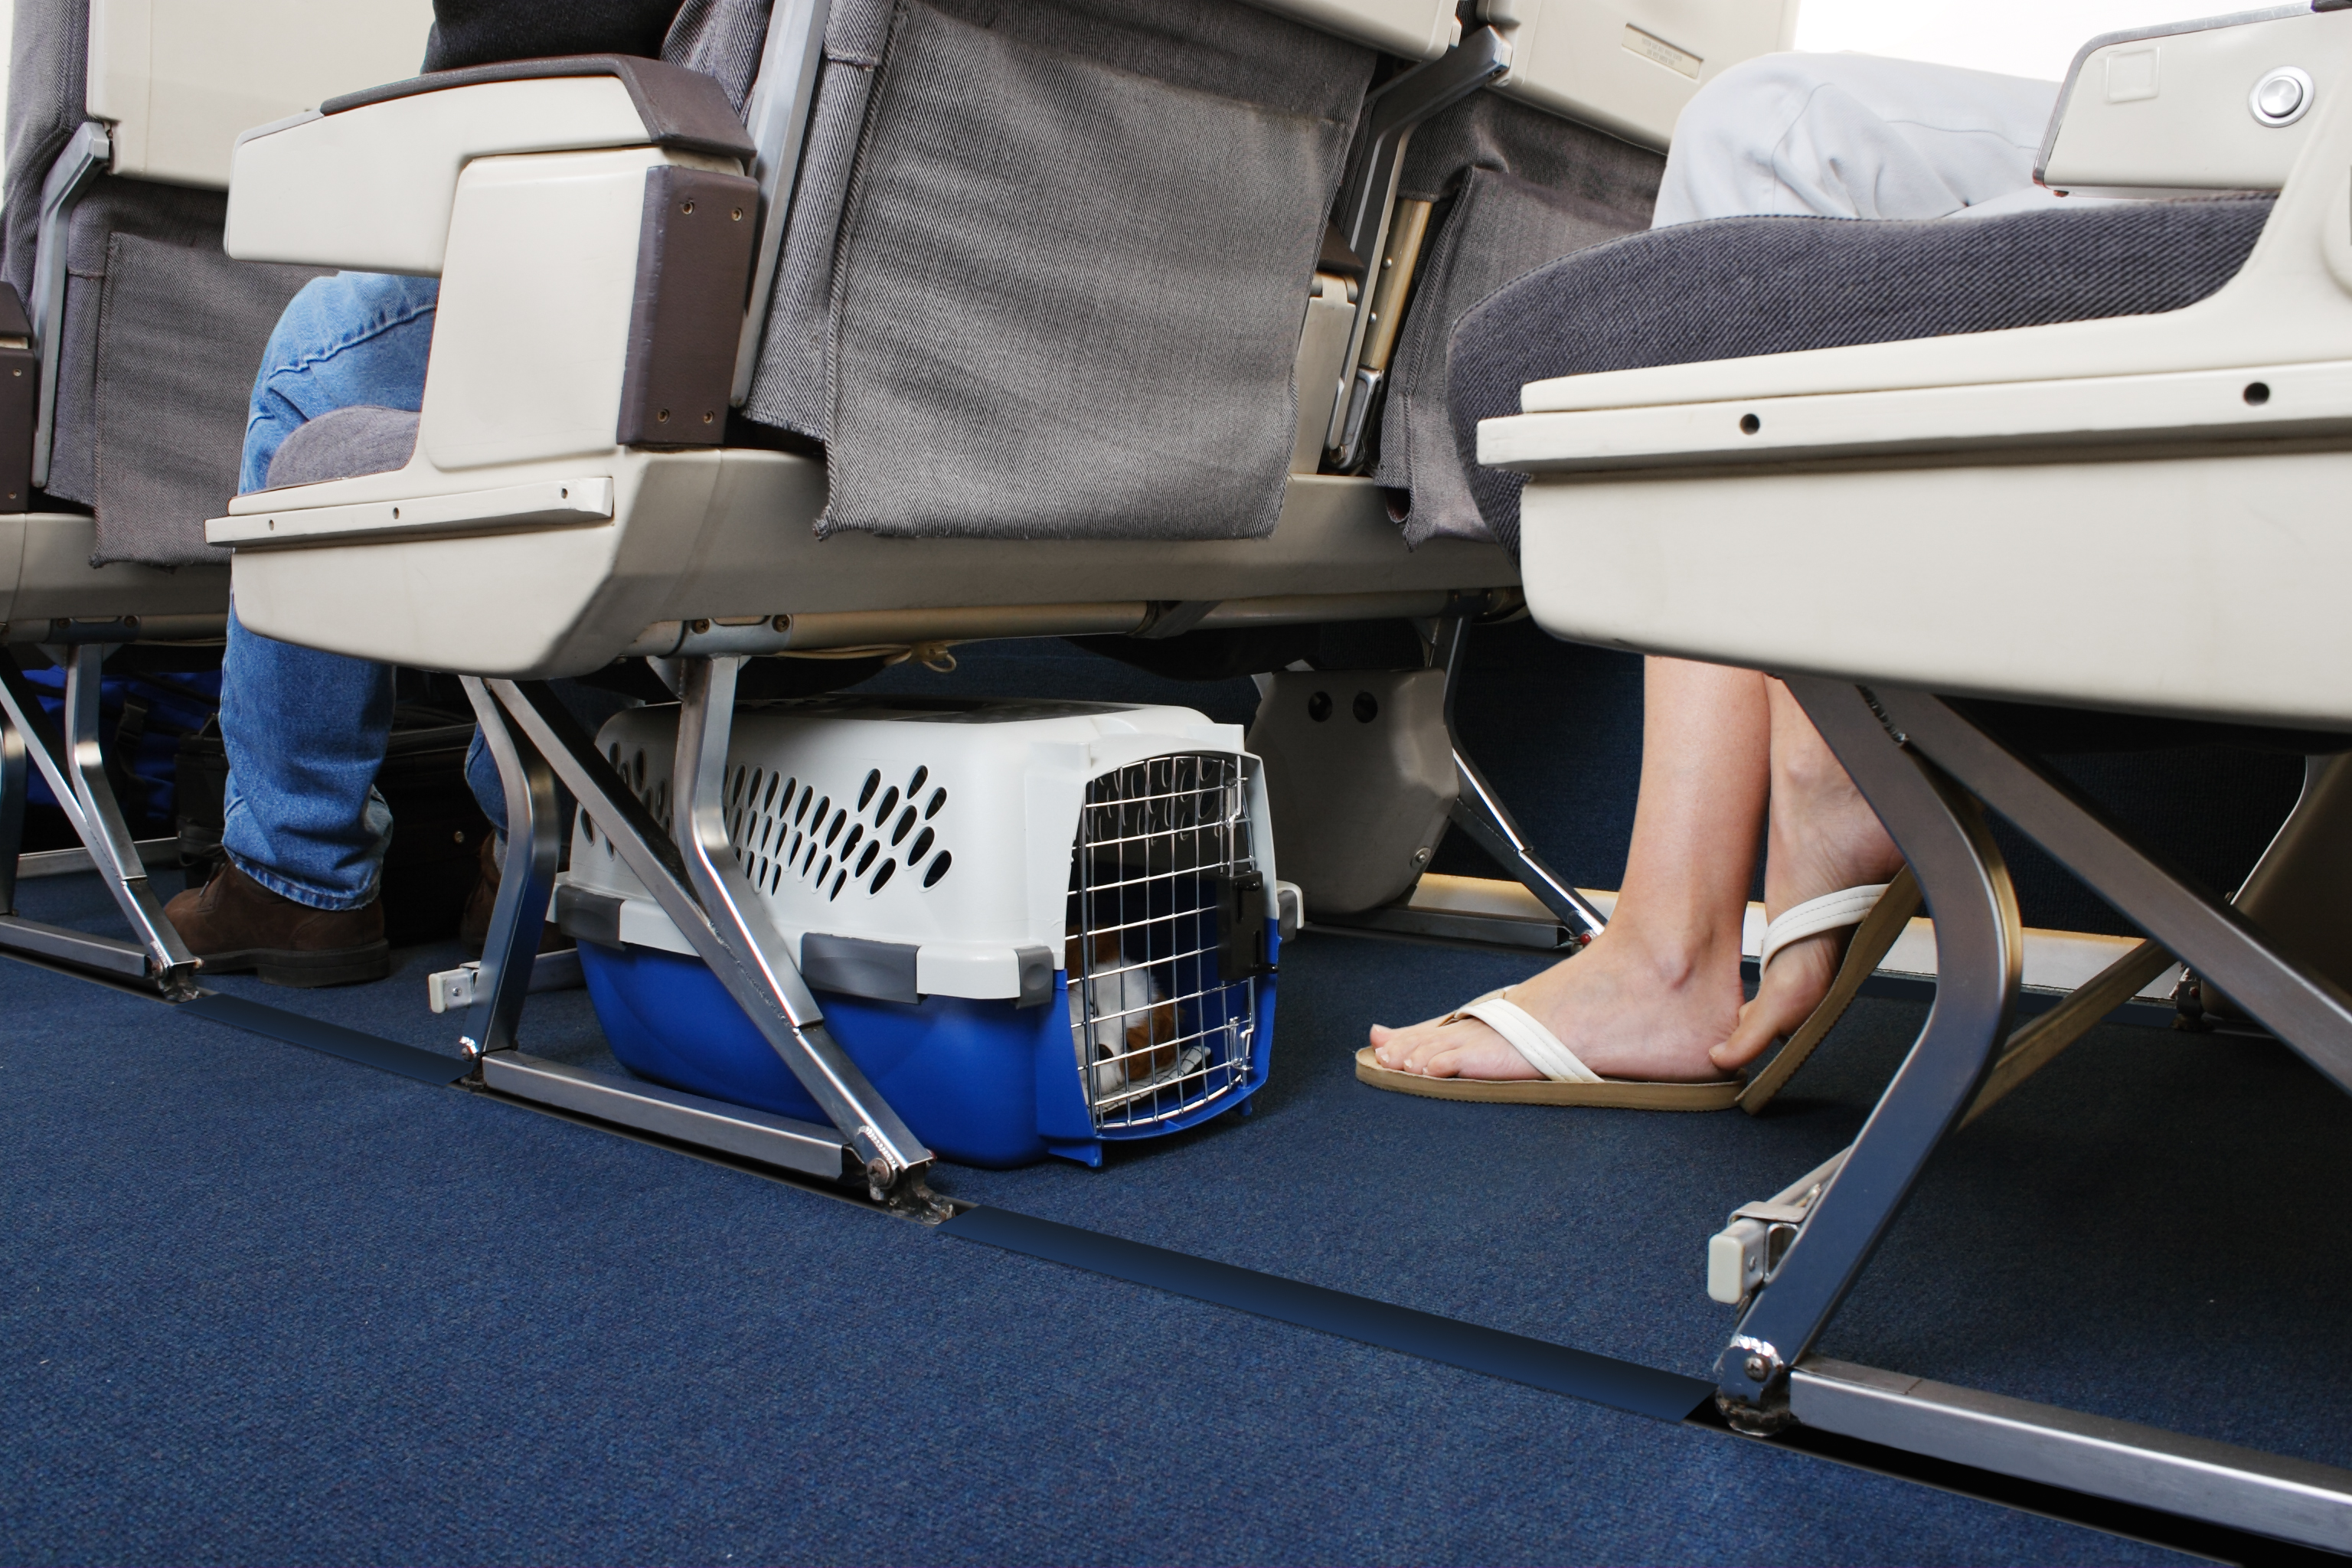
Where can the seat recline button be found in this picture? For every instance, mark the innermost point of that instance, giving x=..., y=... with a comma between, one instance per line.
x=2282, y=97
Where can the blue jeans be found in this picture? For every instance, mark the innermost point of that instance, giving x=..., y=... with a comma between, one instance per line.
x=306, y=731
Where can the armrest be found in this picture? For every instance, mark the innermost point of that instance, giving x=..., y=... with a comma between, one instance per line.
x=2218, y=104
x=368, y=182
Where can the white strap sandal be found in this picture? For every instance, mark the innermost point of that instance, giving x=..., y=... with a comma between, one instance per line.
x=1881, y=911
x=1847, y=907
x=1566, y=1079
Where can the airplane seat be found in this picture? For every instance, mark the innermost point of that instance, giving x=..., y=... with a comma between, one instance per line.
x=1041, y=322
x=1973, y=488
x=129, y=340
x=1742, y=287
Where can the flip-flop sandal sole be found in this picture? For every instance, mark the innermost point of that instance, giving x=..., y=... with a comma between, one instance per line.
x=1623, y=1094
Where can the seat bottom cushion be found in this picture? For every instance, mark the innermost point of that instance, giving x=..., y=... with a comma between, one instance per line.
x=1735, y=288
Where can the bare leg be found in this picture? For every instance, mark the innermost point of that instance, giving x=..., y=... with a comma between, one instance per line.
x=1660, y=988
x=1824, y=836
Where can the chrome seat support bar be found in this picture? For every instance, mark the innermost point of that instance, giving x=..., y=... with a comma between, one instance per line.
x=75, y=770
x=1478, y=811
x=694, y=878
x=2216, y=941
x=526, y=881
x=1943, y=834
x=2293, y=1499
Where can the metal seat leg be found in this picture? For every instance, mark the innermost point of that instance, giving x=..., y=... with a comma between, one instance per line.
x=75, y=768
x=2306, y=1010
x=526, y=881
x=1943, y=834
x=1480, y=812
x=691, y=873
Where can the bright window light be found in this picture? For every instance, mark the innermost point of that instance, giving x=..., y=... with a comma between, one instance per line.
x=2019, y=38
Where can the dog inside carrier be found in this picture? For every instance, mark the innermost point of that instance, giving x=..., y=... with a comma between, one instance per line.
x=1036, y=928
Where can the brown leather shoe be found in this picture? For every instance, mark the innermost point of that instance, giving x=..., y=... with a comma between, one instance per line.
x=234, y=924
x=474, y=926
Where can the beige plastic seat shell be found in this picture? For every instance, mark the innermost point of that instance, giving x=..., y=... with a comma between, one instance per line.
x=2141, y=513
x=730, y=535
x=45, y=575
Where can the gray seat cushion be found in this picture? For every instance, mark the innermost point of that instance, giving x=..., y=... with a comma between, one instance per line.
x=344, y=443
x=1732, y=288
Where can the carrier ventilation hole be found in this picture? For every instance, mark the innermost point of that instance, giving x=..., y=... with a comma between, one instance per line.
x=780, y=829
x=938, y=869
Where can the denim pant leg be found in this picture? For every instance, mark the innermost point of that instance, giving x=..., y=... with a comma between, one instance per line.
x=306, y=731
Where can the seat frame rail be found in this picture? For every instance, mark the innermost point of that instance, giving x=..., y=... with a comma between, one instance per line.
x=688, y=866
x=71, y=763
x=1929, y=773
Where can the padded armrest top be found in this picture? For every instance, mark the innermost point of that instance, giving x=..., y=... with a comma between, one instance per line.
x=1736, y=287
x=681, y=109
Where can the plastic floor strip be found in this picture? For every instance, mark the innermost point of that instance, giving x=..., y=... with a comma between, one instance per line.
x=1603, y=1380
x=368, y=1050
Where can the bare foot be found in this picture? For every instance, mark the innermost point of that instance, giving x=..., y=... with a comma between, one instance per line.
x=1824, y=837
x=1627, y=1007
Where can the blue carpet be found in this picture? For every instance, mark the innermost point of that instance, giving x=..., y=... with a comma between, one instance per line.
x=264, y=1305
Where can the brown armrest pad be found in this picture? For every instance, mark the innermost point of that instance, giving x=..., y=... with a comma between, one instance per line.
x=681, y=109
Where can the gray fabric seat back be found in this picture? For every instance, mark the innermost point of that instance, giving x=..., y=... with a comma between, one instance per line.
x=1047, y=263
x=1732, y=288
x=160, y=332
x=1515, y=188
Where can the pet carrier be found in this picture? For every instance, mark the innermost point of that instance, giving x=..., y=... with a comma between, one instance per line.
x=1035, y=927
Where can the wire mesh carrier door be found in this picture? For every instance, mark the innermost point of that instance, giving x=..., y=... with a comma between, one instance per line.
x=1166, y=932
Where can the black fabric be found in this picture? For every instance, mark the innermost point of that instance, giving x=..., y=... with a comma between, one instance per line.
x=1733, y=287
x=484, y=32
x=435, y=857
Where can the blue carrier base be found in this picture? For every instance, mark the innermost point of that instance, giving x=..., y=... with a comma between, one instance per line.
x=981, y=1082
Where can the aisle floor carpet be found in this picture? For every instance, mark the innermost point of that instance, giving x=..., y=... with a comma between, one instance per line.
x=265, y=1305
